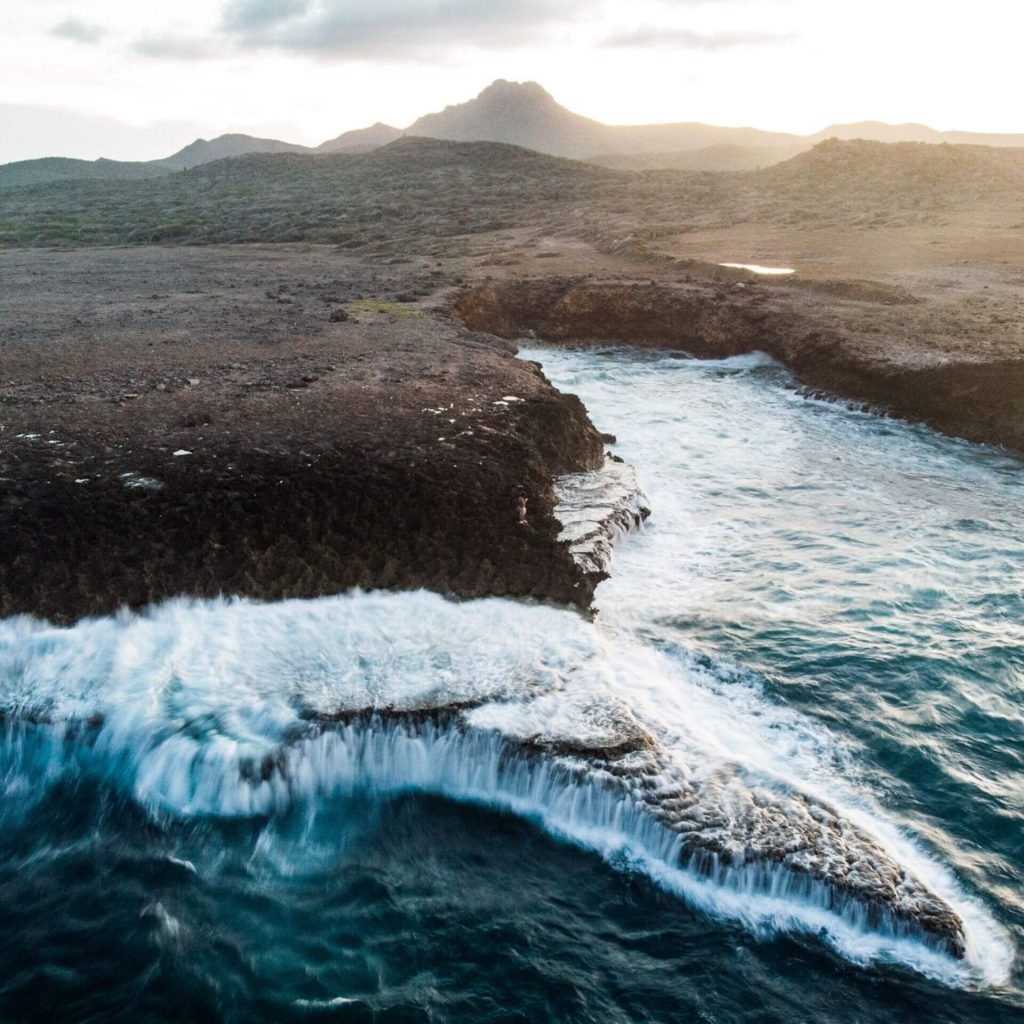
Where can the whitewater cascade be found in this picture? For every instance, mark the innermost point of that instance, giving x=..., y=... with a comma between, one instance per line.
x=658, y=758
x=234, y=708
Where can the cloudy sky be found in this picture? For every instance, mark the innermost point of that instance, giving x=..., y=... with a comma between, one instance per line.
x=137, y=80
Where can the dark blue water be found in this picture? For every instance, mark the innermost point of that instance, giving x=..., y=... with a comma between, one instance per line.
x=829, y=599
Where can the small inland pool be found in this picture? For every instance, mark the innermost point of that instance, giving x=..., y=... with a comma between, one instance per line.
x=756, y=268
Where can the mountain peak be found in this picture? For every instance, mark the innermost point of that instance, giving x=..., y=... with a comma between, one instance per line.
x=519, y=113
x=504, y=90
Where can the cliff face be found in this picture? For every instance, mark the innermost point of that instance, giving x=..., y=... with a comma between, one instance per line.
x=386, y=450
x=977, y=397
x=314, y=494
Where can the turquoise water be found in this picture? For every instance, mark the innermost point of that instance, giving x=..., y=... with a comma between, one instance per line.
x=824, y=602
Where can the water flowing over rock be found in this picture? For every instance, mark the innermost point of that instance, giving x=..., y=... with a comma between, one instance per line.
x=597, y=508
x=207, y=708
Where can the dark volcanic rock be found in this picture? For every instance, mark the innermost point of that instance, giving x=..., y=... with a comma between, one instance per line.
x=740, y=834
x=381, y=456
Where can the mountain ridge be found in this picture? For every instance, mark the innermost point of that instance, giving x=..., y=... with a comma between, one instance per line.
x=204, y=151
x=524, y=114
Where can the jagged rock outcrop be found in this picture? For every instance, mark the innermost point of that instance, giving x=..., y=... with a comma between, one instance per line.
x=586, y=765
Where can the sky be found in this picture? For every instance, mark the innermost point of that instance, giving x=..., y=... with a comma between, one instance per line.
x=136, y=80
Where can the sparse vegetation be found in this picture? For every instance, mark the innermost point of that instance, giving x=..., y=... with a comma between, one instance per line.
x=390, y=308
x=433, y=192
x=414, y=187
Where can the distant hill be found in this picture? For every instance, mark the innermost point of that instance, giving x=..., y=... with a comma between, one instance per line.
x=689, y=136
x=878, y=131
x=426, y=190
x=59, y=168
x=419, y=156
x=919, y=169
x=520, y=114
x=376, y=135
x=722, y=157
x=858, y=182
x=524, y=114
x=204, y=151
x=430, y=196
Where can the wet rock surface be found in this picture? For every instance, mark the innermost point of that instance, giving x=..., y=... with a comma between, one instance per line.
x=736, y=834
x=730, y=830
x=596, y=508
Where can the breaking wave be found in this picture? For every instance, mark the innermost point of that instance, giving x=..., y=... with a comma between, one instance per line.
x=234, y=708
x=803, y=672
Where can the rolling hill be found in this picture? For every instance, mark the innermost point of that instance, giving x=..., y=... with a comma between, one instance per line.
x=59, y=168
x=422, y=189
x=364, y=139
x=900, y=175
x=523, y=114
x=723, y=156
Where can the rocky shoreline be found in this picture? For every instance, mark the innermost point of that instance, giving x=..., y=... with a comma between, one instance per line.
x=386, y=449
x=975, y=395
x=595, y=508
x=277, y=421
x=767, y=844
x=311, y=425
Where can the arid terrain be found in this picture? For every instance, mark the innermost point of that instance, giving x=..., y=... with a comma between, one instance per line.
x=326, y=401
x=266, y=421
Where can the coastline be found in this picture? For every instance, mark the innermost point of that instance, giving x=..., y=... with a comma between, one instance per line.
x=304, y=453
x=352, y=423
x=818, y=331
x=387, y=450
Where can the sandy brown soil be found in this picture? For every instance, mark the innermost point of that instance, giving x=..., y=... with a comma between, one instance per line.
x=966, y=245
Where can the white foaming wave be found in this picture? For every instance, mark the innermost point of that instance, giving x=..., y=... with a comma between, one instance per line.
x=324, y=1004
x=756, y=359
x=696, y=706
x=238, y=658
x=204, y=708
x=481, y=769
x=666, y=573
